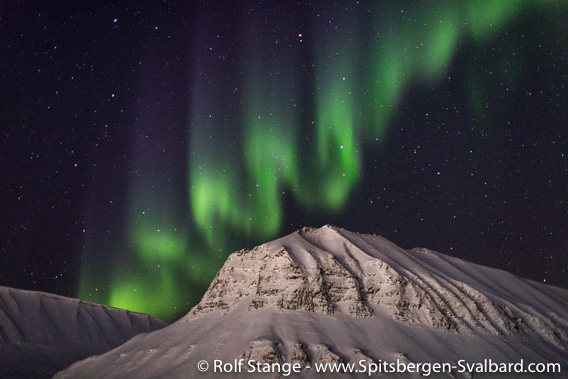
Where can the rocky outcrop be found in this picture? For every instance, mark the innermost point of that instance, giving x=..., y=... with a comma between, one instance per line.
x=305, y=275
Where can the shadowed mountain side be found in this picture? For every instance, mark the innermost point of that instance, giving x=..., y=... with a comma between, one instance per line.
x=41, y=333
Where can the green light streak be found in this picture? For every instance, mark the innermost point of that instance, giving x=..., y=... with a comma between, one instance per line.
x=388, y=79
x=272, y=144
x=139, y=294
x=152, y=281
x=157, y=246
x=270, y=161
x=246, y=199
x=215, y=171
x=269, y=145
x=330, y=170
x=157, y=250
x=475, y=97
x=338, y=161
x=421, y=49
x=214, y=203
x=486, y=18
x=441, y=38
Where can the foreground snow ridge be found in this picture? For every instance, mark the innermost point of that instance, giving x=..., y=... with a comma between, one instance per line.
x=42, y=333
x=330, y=295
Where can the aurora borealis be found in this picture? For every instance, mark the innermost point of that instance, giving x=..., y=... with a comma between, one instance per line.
x=142, y=144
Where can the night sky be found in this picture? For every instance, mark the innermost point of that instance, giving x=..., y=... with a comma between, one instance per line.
x=142, y=143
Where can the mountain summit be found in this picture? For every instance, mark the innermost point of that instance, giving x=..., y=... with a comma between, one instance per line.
x=329, y=295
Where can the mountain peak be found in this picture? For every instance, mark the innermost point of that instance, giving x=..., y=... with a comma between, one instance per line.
x=332, y=271
x=330, y=295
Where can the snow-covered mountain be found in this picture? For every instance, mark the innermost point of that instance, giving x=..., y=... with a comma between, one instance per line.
x=41, y=334
x=329, y=295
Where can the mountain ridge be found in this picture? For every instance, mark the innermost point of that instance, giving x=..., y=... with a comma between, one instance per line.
x=42, y=333
x=330, y=295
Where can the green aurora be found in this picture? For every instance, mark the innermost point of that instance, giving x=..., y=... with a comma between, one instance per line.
x=311, y=155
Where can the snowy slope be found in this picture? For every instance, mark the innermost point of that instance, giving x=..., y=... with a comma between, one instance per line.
x=41, y=333
x=329, y=295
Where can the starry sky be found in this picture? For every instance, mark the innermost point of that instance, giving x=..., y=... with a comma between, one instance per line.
x=142, y=143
